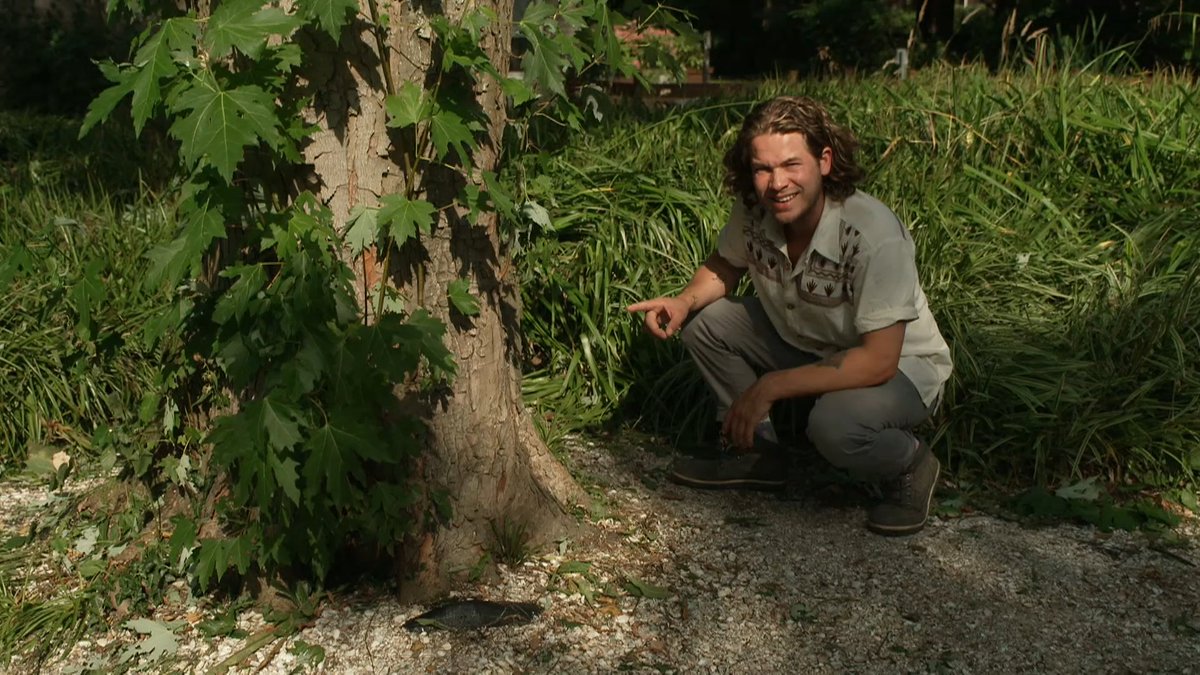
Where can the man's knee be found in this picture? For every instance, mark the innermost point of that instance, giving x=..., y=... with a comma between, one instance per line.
x=701, y=328
x=834, y=433
x=862, y=446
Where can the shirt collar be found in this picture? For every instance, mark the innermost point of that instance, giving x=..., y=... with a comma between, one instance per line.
x=827, y=240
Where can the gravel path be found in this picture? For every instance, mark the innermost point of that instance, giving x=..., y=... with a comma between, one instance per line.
x=761, y=583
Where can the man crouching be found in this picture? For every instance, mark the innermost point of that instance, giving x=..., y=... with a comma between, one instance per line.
x=838, y=315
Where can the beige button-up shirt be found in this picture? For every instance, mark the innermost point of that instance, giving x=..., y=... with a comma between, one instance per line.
x=858, y=275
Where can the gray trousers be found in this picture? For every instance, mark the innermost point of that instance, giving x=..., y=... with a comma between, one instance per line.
x=867, y=431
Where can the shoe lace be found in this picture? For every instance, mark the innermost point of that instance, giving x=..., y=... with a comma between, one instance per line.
x=899, y=489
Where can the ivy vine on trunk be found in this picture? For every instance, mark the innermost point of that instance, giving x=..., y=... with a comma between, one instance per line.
x=339, y=266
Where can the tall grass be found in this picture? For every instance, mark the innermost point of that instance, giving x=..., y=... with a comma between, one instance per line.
x=73, y=235
x=1054, y=213
x=633, y=210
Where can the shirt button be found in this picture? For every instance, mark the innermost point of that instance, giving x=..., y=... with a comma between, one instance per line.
x=791, y=306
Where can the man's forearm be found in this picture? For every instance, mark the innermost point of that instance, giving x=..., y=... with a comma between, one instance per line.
x=712, y=281
x=853, y=368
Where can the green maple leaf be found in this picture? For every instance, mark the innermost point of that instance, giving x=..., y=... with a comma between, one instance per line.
x=326, y=469
x=449, y=129
x=332, y=15
x=607, y=47
x=236, y=301
x=299, y=374
x=407, y=107
x=168, y=320
x=542, y=63
x=283, y=240
x=171, y=261
x=289, y=57
x=460, y=296
x=182, y=537
x=102, y=106
x=517, y=89
x=461, y=43
x=280, y=421
x=84, y=294
x=335, y=454
x=404, y=217
x=286, y=477
x=155, y=61
x=221, y=123
x=258, y=108
x=433, y=348
x=237, y=438
x=245, y=25
x=237, y=358
x=347, y=371
x=475, y=200
x=574, y=52
x=363, y=229
x=240, y=552
x=575, y=15
x=389, y=347
x=498, y=194
x=260, y=423
x=538, y=12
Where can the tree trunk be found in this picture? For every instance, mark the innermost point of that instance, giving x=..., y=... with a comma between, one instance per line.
x=482, y=449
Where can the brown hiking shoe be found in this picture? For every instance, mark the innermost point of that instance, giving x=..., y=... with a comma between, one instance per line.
x=906, y=498
x=750, y=471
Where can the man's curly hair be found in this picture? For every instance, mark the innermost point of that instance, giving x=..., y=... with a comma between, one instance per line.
x=794, y=114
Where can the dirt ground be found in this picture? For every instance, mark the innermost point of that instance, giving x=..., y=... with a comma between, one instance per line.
x=687, y=581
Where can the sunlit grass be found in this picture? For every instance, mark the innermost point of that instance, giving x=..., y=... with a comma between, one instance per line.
x=73, y=237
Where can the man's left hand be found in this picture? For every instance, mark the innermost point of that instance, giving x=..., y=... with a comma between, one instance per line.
x=747, y=411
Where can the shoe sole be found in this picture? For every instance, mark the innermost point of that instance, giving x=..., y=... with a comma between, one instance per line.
x=728, y=484
x=902, y=530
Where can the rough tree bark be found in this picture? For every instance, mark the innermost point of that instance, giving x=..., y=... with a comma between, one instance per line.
x=482, y=448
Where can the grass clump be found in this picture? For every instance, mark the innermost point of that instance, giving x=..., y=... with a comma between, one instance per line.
x=73, y=305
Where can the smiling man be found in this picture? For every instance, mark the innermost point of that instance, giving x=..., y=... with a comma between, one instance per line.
x=838, y=315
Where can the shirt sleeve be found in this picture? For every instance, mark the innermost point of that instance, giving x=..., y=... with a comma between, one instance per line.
x=731, y=243
x=885, y=286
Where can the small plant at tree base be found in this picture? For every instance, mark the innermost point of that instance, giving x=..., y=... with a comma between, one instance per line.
x=510, y=542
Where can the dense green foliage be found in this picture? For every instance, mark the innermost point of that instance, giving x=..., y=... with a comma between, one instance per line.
x=828, y=36
x=286, y=381
x=1054, y=216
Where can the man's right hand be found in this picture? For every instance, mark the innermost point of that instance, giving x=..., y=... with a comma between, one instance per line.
x=664, y=316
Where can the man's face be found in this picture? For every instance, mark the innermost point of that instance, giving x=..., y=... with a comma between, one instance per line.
x=787, y=177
